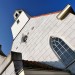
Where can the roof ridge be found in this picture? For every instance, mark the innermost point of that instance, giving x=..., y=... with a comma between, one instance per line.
x=46, y=14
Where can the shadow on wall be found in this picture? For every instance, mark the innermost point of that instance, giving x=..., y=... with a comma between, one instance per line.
x=56, y=64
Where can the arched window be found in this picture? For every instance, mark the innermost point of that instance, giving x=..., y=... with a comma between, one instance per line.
x=62, y=50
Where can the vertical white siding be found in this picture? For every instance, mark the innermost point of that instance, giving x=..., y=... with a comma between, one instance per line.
x=18, y=26
x=4, y=62
x=38, y=47
x=10, y=70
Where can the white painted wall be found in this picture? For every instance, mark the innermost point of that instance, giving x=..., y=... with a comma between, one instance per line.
x=10, y=70
x=37, y=47
x=4, y=62
x=23, y=18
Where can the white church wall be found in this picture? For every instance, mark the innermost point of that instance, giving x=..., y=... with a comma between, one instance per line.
x=4, y=62
x=39, y=30
x=19, y=23
x=10, y=70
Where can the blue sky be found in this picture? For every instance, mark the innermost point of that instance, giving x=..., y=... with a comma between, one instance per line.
x=32, y=7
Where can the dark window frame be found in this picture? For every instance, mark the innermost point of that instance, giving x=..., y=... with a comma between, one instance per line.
x=62, y=43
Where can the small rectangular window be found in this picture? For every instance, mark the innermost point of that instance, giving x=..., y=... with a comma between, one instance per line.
x=18, y=21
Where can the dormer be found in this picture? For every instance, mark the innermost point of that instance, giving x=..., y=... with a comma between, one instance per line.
x=21, y=18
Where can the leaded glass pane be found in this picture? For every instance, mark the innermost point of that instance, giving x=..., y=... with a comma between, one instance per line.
x=62, y=50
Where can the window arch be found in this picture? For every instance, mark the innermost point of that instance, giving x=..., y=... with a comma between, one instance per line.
x=62, y=50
